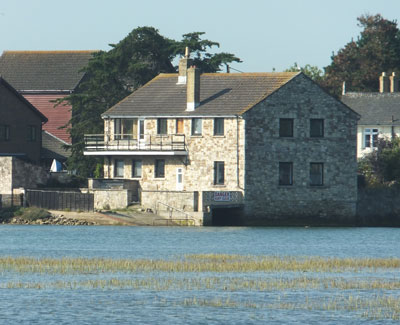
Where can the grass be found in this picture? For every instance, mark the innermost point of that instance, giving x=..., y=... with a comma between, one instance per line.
x=196, y=263
x=29, y=214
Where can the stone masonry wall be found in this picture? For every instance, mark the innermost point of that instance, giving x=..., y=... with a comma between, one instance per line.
x=198, y=166
x=180, y=200
x=6, y=175
x=265, y=199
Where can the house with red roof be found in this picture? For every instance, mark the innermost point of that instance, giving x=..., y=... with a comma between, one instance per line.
x=43, y=77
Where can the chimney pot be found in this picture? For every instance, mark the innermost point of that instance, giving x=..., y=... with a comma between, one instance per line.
x=394, y=83
x=383, y=83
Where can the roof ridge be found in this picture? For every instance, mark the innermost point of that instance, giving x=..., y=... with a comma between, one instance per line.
x=49, y=51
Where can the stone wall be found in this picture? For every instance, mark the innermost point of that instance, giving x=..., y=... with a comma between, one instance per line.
x=185, y=201
x=111, y=199
x=15, y=173
x=378, y=207
x=198, y=166
x=300, y=203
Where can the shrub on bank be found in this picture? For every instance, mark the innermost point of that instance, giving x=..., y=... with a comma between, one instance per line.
x=29, y=214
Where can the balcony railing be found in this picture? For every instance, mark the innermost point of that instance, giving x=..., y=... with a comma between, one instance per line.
x=128, y=142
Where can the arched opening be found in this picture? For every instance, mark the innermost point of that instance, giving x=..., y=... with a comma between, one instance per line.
x=227, y=216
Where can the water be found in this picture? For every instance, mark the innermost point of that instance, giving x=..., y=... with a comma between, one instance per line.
x=52, y=305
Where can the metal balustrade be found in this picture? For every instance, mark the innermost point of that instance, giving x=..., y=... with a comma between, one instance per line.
x=129, y=142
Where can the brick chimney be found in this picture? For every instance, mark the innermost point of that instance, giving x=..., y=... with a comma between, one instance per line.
x=183, y=66
x=394, y=83
x=193, y=89
x=383, y=83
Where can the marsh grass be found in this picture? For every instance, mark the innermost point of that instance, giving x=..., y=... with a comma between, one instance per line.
x=195, y=263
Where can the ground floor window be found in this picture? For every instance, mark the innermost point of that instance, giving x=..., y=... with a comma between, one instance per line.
x=159, y=168
x=316, y=174
x=219, y=173
x=371, y=138
x=118, y=168
x=285, y=173
x=136, y=168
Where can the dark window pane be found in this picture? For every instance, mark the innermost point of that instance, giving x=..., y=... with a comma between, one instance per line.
x=32, y=134
x=219, y=172
x=316, y=128
x=196, y=126
x=160, y=168
x=286, y=127
x=162, y=126
x=218, y=126
x=136, y=168
x=316, y=174
x=285, y=173
x=4, y=133
x=119, y=168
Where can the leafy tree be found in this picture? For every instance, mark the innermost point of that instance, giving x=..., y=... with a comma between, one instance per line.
x=112, y=75
x=361, y=62
x=382, y=165
x=311, y=71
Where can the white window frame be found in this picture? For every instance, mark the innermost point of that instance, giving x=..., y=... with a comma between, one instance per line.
x=373, y=134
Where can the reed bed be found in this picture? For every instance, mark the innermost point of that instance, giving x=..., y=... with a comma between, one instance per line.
x=209, y=283
x=195, y=263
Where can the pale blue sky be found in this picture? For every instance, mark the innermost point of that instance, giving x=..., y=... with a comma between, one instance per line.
x=264, y=34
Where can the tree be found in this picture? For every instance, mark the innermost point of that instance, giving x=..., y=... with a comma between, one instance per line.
x=113, y=75
x=361, y=62
x=382, y=165
x=311, y=71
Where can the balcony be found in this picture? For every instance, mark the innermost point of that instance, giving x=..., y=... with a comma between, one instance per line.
x=130, y=145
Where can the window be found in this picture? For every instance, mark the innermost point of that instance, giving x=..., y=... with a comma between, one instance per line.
x=159, y=168
x=219, y=173
x=125, y=128
x=285, y=173
x=32, y=133
x=316, y=128
x=316, y=174
x=118, y=168
x=136, y=168
x=4, y=133
x=179, y=126
x=371, y=138
x=196, y=126
x=162, y=126
x=286, y=127
x=218, y=126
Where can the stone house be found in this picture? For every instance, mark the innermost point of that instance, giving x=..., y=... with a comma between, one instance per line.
x=43, y=77
x=250, y=148
x=380, y=113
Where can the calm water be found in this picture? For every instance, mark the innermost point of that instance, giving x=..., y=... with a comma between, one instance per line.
x=145, y=306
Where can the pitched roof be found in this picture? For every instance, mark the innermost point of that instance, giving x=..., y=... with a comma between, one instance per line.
x=53, y=147
x=44, y=70
x=58, y=116
x=22, y=99
x=221, y=94
x=375, y=108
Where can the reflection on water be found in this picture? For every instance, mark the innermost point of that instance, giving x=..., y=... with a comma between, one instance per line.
x=299, y=297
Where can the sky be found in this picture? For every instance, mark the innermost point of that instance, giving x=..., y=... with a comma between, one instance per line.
x=264, y=34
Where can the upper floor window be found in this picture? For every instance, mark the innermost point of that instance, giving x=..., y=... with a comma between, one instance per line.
x=196, y=126
x=316, y=128
x=316, y=174
x=119, y=168
x=219, y=173
x=159, y=168
x=371, y=138
x=32, y=133
x=4, y=132
x=136, y=168
x=162, y=126
x=219, y=126
x=124, y=128
x=285, y=173
x=286, y=127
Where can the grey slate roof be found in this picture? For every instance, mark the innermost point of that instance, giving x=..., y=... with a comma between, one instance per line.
x=44, y=70
x=53, y=147
x=221, y=94
x=375, y=108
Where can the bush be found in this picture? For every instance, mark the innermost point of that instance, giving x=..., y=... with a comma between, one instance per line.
x=32, y=214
